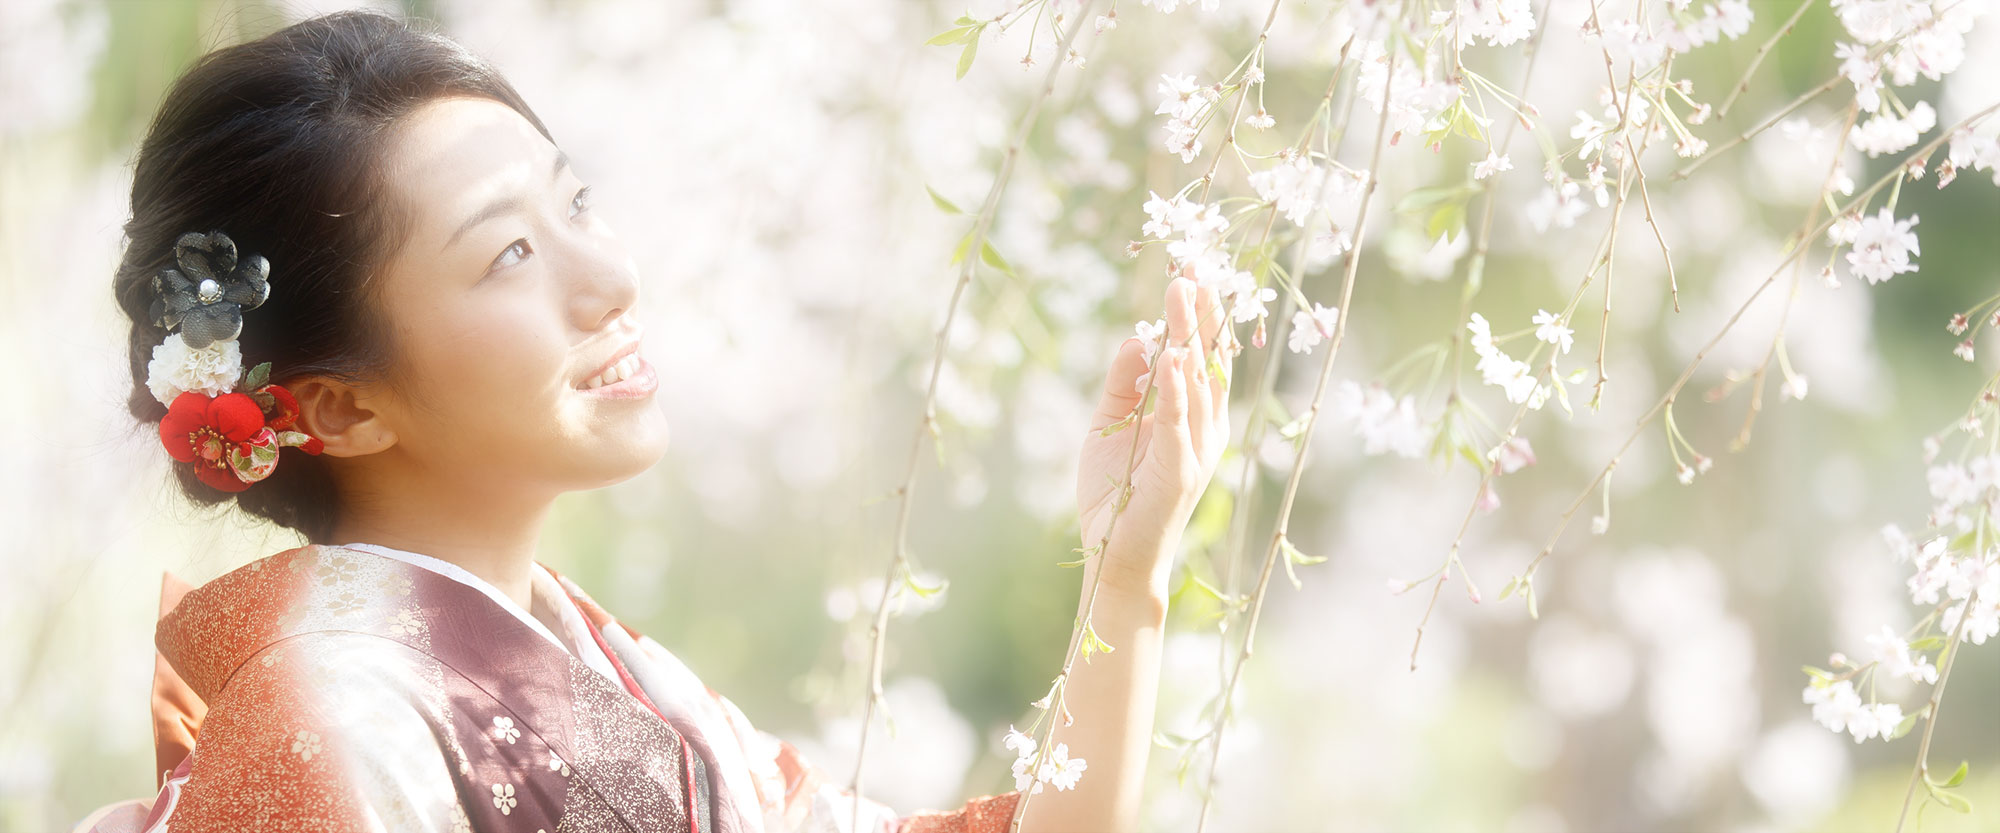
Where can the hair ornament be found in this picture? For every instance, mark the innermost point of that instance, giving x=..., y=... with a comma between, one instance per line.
x=227, y=422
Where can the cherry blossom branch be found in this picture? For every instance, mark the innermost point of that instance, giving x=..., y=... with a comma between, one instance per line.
x=1784, y=313
x=1874, y=52
x=1279, y=543
x=1475, y=269
x=1798, y=250
x=1950, y=658
x=1757, y=60
x=899, y=563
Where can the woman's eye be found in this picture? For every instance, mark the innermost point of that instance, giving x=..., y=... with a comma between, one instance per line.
x=581, y=202
x=511, y=255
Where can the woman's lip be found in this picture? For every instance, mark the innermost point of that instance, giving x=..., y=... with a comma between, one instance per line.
x=642, y=383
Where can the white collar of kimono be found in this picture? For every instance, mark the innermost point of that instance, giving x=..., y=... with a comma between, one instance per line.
x=544, y=587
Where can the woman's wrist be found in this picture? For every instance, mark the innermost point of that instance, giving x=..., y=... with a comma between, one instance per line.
x=1128, y=588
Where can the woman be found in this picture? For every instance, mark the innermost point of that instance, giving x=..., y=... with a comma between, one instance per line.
x=370, y=220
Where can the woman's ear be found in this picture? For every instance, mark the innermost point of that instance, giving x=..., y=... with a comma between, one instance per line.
x=332, y=411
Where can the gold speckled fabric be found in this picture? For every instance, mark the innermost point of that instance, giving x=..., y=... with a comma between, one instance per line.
x=347, y=691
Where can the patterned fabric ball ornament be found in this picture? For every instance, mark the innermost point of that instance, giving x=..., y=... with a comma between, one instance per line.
x=228, y=423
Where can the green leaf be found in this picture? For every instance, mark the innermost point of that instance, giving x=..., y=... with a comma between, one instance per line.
x=947, y=37
x=1956, y=802
x=910, y=581
x=1908, y=723
x=265, y=401
x=965, y=58
x=1298, y=557
x=1292, y=430
x=1425, y=198
x=958, y=253
x=258, y=376
x=1928, y=643
x=1087, y=553
x=1820, y=676
x=943, y=204
x=1528, y=592
x=1513, y=584
x=1957, y=775
x=1448, y=218
x=992, y=257
x=1092, y=644
x=1115, y=427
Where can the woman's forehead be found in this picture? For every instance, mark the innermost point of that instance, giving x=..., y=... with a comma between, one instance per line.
x=453, y=155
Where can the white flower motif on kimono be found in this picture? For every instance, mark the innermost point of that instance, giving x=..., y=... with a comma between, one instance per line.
x=557, y=765
x=177, y=368
x=406, y=623
x=335, y=569
x=503, y=798
x=345, y=602
x=503, y=729
x=306, y=744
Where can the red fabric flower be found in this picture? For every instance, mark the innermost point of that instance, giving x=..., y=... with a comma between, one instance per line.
x=287, y=408
x=200, y=430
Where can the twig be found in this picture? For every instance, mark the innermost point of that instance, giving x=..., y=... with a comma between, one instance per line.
x=1304, y=441
x=927, y=427
x=1757, y=60
x=1798, y=250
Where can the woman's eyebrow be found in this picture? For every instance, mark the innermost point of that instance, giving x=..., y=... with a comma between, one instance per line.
x=498, y=207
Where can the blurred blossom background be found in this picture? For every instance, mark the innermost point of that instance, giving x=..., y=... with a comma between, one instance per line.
x=767, y=162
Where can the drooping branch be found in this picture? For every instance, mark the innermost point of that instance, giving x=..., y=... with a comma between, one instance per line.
x=899, y=562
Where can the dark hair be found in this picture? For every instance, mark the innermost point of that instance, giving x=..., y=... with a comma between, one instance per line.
x=276, y=142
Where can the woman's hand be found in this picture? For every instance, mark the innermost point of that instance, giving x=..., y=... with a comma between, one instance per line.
x=1179, y=444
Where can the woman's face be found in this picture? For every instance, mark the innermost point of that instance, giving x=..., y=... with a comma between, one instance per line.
x=507, y=298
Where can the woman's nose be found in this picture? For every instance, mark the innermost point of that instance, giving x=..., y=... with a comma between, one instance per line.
x=604, y=281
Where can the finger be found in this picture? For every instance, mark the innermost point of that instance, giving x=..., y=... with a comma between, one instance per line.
x=1180, y=313
x=1218, y=387
x=1208, y=310
x=1120, y=385
x=1172, y=440
x=1200, y=402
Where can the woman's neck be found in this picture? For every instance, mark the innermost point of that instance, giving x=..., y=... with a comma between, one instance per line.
x=493, y=539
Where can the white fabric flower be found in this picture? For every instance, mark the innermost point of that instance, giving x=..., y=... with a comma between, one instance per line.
x=176, y=368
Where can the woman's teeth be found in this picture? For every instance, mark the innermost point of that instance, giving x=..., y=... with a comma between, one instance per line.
x=618, y=373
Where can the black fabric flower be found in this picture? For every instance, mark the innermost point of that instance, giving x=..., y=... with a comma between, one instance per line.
x=207, y=295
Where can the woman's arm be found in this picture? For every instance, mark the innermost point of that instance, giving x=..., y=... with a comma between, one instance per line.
x=1168, y=456
x=1112, y=698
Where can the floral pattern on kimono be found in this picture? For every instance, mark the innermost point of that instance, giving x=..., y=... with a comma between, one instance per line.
x=349, y=691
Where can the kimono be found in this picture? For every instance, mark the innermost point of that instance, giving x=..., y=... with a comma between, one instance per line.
x=360, y=688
